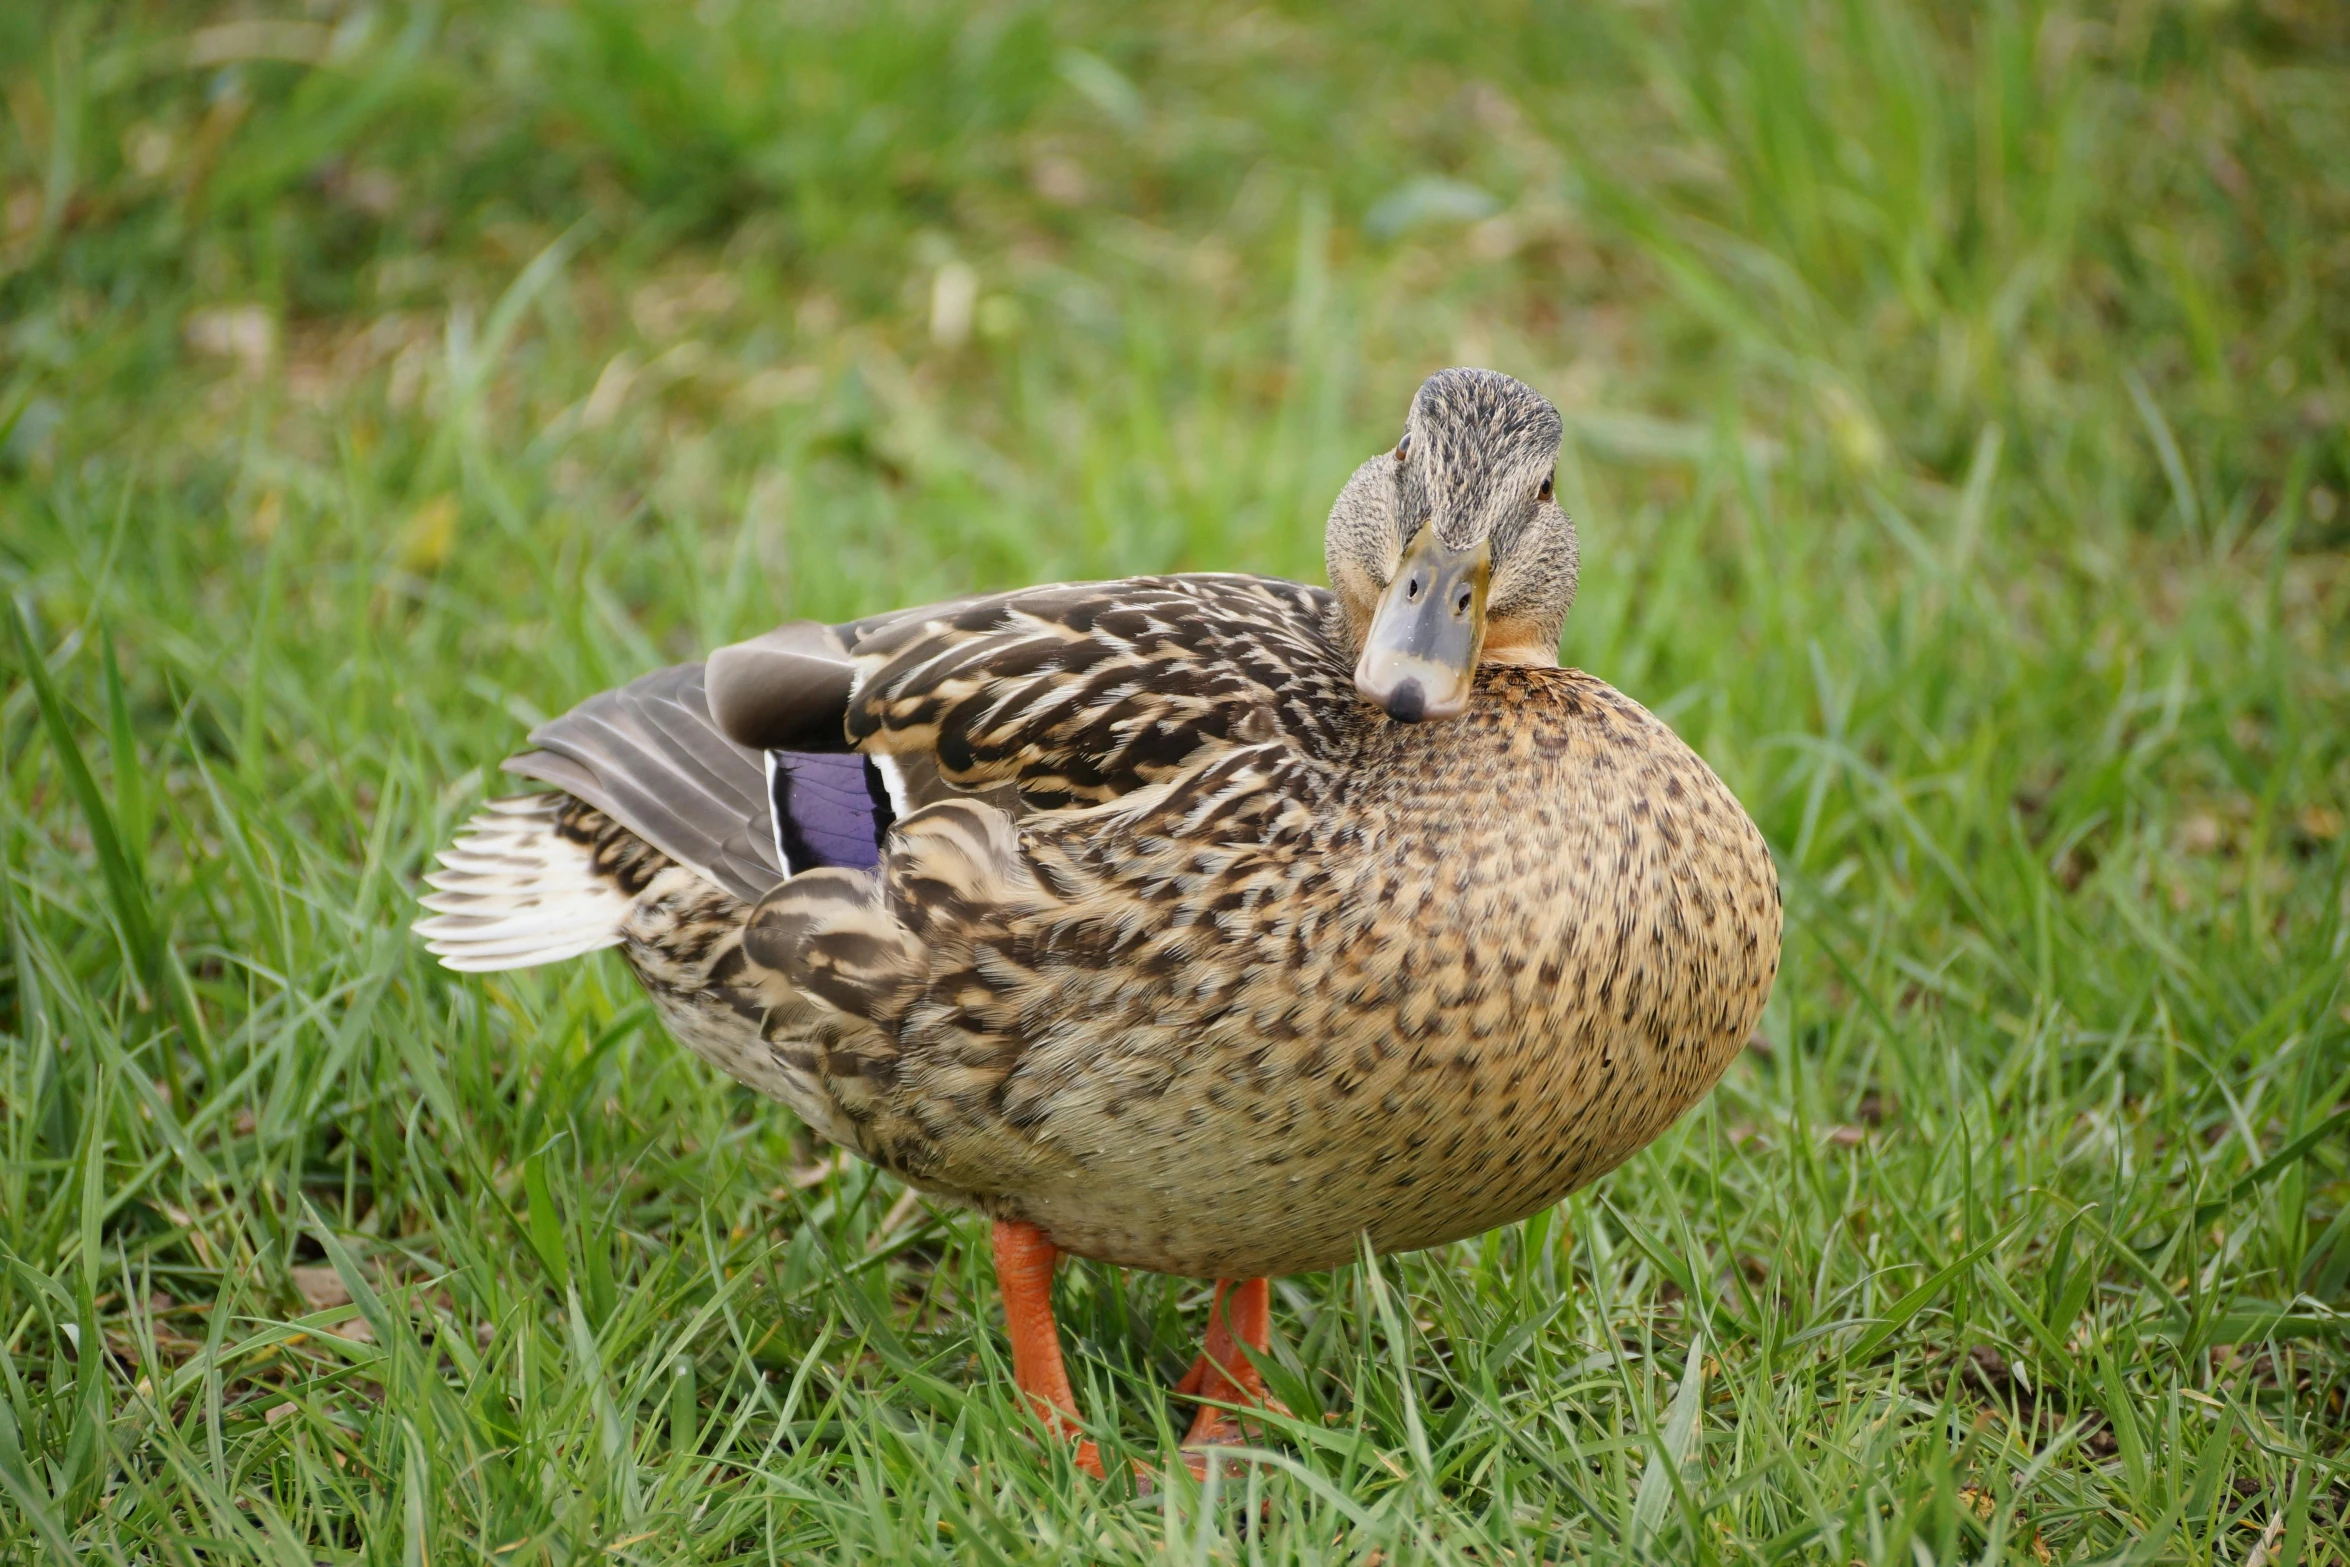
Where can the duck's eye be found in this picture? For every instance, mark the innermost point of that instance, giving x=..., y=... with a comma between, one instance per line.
x=1403, y=448
x=1548, y=482
x=1460, y=606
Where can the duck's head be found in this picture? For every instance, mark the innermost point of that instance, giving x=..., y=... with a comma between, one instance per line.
x=1450, y=550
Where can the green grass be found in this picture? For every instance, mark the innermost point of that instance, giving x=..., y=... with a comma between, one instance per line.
x=1959, y=410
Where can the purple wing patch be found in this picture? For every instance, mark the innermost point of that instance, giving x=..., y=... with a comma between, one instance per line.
x=829, y=809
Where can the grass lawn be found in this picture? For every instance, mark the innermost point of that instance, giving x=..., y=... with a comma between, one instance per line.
x=1959, y=427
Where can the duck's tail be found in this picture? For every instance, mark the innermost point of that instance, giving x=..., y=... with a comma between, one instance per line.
x=524, y=883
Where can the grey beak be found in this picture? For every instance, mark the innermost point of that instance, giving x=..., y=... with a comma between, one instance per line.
x=1420, y=659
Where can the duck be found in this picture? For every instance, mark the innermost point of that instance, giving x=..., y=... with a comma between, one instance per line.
x=1212, y=924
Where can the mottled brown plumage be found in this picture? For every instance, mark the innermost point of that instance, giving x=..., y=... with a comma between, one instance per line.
x=1172, y=945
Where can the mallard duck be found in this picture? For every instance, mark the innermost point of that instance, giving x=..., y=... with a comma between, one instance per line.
x=1209, y=924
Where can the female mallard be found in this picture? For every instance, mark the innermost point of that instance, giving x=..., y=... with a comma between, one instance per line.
x=1205, y=924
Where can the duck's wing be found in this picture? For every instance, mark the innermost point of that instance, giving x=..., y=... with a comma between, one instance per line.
x=648, y=755
x=801, y=750
x=1048, y=698
x=647, y=782
x=1091, y=777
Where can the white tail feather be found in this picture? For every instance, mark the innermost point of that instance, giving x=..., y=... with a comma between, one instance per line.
x=513, y=892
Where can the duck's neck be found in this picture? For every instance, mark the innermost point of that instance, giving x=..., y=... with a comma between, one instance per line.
x=1508, y=643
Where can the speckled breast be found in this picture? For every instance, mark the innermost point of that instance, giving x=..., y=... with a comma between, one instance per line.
x=1502, y=955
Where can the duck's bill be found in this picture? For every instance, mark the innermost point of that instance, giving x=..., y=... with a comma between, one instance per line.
x=1420, y=658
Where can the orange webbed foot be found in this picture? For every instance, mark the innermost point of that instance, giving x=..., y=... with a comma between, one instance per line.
x=1024, y=1263
x=1222, y=1375
x=1241, y=1315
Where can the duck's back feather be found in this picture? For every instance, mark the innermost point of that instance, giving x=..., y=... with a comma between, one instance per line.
x=1077, y=694
x=1046, y=698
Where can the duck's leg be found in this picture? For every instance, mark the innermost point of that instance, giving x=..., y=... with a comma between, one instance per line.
x=1242, y=1314
x=1024, y=1263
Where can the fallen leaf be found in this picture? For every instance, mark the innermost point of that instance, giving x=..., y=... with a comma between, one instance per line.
x=783, y=384
x=230, y=43
x=428, y=534
x=245, y=333
x=320, y=1288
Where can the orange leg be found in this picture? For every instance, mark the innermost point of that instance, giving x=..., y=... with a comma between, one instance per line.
x=1242, y=1314
x=1024, y=1263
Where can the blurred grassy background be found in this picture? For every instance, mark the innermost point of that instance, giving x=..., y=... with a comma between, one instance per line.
x=1959, y=426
